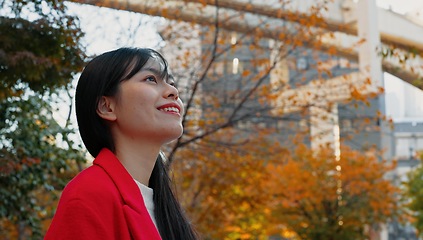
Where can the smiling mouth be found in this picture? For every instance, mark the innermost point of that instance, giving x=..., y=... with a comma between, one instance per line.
x=170, y=109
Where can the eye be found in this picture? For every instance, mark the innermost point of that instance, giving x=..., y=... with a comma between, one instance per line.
x=173, y=84
x=151, y=79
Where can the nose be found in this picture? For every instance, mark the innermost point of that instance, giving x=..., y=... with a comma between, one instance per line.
x=171, y=92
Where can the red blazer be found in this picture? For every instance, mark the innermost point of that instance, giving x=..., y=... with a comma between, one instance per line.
x=102, y=202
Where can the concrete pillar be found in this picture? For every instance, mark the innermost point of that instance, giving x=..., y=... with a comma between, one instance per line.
x=324, y=127
x=370, y=64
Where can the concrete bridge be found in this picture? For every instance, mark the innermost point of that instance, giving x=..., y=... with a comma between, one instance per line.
x=348, y=20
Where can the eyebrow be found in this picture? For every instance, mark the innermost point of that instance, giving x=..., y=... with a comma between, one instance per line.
x=153, y=70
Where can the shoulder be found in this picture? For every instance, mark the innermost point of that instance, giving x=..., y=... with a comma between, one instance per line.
x=90, y=208
x=91, y=185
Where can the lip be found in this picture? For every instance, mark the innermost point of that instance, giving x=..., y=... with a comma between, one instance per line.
x=169, y=105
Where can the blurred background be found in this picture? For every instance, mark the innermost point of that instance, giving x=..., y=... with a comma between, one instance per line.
x=304, y=119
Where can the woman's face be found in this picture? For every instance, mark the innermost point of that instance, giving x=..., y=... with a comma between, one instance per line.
x=148, y=107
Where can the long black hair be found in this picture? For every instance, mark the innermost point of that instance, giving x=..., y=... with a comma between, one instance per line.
x=101, y=77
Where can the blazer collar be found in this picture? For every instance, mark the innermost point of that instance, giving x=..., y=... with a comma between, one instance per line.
x=126, y=186
x=120, y=176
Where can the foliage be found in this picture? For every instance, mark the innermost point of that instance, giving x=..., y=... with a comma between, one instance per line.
x=318, y=197
x=42, y=53
x=414, y=192
x=258, y=188
x=222, y=187
x=35, y=159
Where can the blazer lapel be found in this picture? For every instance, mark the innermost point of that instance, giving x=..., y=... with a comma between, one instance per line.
x=139, y=222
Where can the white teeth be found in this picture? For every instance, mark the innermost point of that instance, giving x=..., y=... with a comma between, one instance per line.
x=170, y=109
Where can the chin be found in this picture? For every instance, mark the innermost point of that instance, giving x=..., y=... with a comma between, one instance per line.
x=174, y=135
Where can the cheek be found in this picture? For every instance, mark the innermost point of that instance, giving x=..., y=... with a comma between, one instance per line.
x=137, y=99
x=182, y=106
x=131, y=107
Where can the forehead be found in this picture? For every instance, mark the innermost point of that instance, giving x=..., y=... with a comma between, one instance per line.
x=158, y=68
x=154, y=63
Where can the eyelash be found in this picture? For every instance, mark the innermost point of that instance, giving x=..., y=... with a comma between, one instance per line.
x=147, y=79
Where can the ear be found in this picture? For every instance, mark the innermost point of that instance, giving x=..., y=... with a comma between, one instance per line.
x=106, y=107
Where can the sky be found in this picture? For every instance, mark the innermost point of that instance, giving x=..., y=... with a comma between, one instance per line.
x=402, y=101
x=107, y=29
x=401, y=6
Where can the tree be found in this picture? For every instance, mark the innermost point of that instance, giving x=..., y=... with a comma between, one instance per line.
x=319, y=197
x=414, y=193
x=34, y=165
x=40, y=53
x=223, y=186
x=242, y=116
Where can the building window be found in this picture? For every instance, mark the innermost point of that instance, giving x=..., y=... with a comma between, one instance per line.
x=235, y=66
x=219, y=68
x=302, y=63
x=303, y=124
x=347, y=125
x=233, y=38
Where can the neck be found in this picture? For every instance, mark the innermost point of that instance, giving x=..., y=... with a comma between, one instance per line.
x=138, y=158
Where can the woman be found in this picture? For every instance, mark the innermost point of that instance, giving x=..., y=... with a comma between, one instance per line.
x=127, y=107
